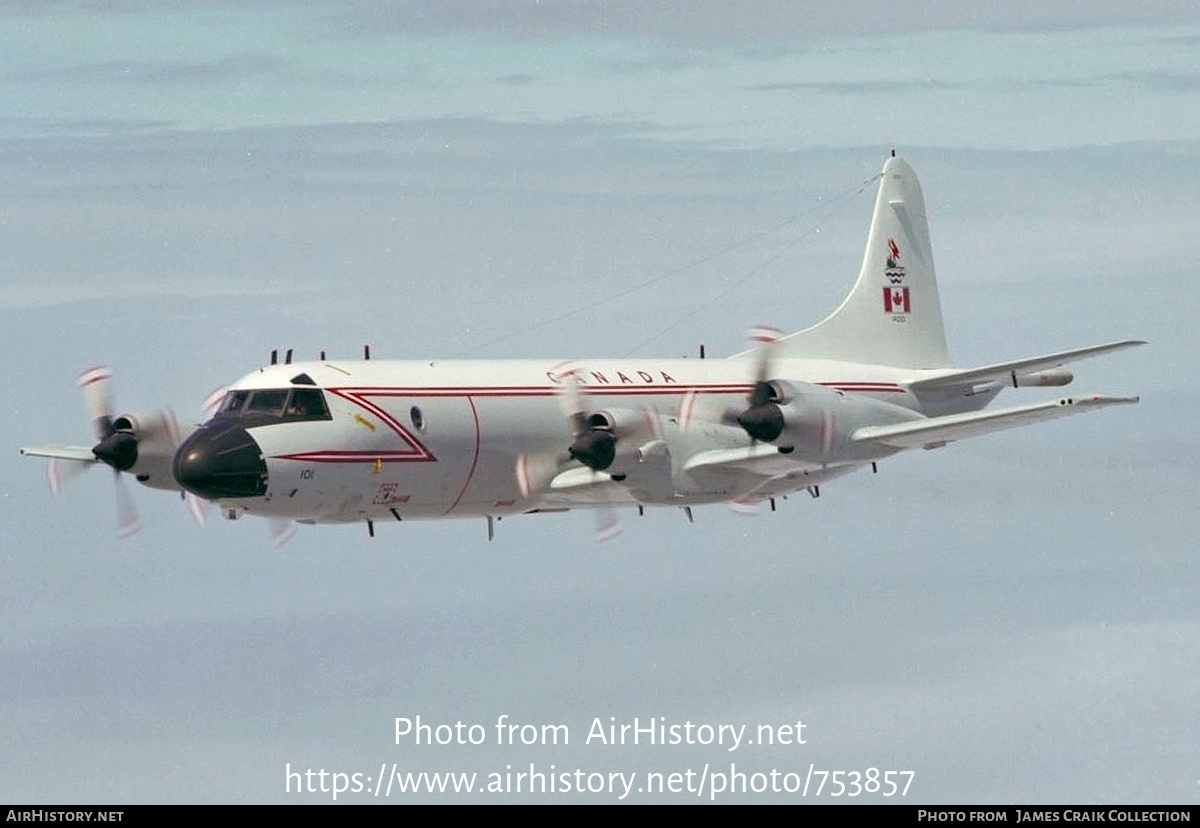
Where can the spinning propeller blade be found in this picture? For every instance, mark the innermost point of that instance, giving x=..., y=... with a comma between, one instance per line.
x=282, y=531
x=762, y=419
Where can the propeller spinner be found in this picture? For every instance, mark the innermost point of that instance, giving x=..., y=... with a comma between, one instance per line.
x=594, y=444
x=763, y=418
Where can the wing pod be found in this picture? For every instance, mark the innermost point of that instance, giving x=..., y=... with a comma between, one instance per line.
x=1053, y=377
x=1017, y=371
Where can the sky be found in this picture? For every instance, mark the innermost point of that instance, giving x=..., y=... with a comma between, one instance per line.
x=189, y=186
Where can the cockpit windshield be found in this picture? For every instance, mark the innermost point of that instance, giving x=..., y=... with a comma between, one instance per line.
x=274, y=405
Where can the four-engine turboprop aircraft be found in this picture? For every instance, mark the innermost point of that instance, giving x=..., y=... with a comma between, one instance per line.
x=368, y=440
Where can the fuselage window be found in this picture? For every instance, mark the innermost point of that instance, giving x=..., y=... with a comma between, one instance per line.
x=417, y=417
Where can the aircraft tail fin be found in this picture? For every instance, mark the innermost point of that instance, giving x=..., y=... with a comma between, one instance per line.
x=893, y=315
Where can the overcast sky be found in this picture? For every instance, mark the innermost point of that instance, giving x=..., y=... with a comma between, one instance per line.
x=187, y=186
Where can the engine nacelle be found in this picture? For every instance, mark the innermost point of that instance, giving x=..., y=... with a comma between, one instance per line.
x=157, y=436
x=819, y=421
x=624, y=423
x=637, y=436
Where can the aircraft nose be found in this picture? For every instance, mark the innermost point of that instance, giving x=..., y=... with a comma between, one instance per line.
x=221, y=460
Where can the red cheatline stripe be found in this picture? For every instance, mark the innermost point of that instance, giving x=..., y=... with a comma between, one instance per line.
x=536, y=391
x=595, y=390
x=357, y=456
x=357, y=398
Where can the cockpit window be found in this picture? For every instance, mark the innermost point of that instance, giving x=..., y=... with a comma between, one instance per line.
x=267, y=402
x=274, y=405
x=306, y=404
x=234, y=401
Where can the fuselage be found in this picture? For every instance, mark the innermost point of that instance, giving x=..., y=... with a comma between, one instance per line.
x=378, y=439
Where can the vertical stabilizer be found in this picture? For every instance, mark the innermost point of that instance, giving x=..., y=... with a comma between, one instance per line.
x=893, y=315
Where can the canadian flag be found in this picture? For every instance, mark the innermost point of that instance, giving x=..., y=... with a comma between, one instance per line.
x=895, y=300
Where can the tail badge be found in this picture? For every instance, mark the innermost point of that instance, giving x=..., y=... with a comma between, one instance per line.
x=896, y=298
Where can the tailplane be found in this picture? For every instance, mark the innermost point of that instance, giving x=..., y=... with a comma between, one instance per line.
x=893, y=315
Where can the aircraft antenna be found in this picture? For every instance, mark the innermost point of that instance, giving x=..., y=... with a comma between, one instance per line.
x=842, y=201
x=670, y=274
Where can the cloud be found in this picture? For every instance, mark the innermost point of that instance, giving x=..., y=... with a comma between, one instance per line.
x=856, y=87
x=727, y=21
x=1162, y=81
x=230, y=67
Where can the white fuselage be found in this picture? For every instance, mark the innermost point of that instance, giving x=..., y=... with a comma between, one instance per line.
x=441, y=439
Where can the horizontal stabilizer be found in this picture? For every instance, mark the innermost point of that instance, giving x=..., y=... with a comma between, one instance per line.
x=935, y=431
x=79, y=453
x=1005, y=370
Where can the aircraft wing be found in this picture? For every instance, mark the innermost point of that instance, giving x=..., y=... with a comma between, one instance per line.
x=78, y=453
x=66, y=462
x=935, y=431
x=760, y=459
x=1006, y=370
x=579, y=486
x=751, y=473
x=760, y=472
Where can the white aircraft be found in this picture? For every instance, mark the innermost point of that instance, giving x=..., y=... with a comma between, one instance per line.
x=338, y=441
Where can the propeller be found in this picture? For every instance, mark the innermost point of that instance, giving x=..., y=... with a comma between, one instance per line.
x=594, y=444
x=120, y=442
x=115, y=447
x=807, y=412
x=762, y=419
x=61, y=471
x=282, y=531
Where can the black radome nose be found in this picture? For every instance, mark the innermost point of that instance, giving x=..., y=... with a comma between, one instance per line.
x=221, y=460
